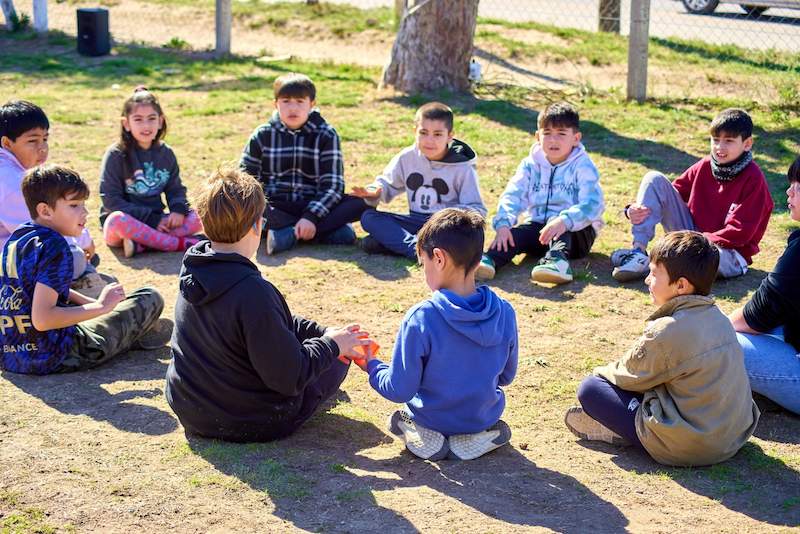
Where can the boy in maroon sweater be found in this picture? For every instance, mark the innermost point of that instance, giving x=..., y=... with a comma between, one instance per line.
x=724, y=196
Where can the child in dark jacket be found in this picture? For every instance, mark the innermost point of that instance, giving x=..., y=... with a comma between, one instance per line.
x=453, y=351
x=297, y=157
x=235, y=374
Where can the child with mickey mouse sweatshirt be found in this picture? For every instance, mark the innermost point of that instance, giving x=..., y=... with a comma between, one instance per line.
x=436, y=172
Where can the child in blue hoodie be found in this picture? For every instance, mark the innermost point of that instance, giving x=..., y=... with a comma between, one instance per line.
x=557, y=187
x=453, y=351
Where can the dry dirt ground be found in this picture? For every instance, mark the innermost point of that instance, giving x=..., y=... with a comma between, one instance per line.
x=101, y=450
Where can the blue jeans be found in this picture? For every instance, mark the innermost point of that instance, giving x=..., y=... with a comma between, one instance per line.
x=394, y=231
x=612, y=407
x=773, y=367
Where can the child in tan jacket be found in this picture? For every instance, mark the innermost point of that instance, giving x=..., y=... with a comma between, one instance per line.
x=681, y=392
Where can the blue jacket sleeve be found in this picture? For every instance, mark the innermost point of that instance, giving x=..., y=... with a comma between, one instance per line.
x=514, y=199
x=400, y=381
x=590, y=204
x=510, y=370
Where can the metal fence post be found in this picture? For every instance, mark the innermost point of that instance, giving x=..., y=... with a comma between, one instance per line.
x=40, y=15
x=223, y=18
x=637, y=50
x=608, y=15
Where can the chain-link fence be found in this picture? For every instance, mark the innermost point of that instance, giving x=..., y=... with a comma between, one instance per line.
x=692, y=32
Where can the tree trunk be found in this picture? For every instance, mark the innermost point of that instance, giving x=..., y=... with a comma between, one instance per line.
x=9, y=12
x=40, y=15
x=608, y=14
x=433, y=47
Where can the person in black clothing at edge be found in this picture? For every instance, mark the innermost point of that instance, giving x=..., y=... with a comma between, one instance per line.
x=239, y=372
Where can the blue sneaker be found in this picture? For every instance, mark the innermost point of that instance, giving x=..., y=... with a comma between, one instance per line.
x=280, y=240
x=344, y=235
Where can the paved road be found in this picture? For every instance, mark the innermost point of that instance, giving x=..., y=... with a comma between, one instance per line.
x=777, y=28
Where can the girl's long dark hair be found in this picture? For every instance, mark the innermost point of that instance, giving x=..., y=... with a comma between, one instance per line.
x=140, y=97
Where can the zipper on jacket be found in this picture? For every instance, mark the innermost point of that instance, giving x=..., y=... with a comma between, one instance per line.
x=549, y=190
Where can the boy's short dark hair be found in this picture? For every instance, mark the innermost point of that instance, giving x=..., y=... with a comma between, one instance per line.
x=793, y=174
x=732, y=121
x=689, y=255
x=48, y=183
x=435, y=111
x=229, y=204
x=559, y=115
x=457, y=231
x=20, y=116
x=294, y=85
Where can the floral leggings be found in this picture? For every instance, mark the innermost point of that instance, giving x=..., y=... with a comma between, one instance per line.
x=120, y=225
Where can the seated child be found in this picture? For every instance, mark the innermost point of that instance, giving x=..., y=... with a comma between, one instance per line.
x=39, y=332
x=681, y=393
x=436, y=172
x=24, y=140
x=243, y=367
x=298, y=160
x=135, y=171
x=557, y=188
x=453, y=351
x=724, y=196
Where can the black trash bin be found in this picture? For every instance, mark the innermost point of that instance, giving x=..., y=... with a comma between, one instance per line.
x=93, y=36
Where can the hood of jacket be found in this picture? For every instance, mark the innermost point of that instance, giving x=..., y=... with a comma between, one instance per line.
x=459, y=153
x=537, y=154
x=10, y=161
x=482, y=323
x=207, y=274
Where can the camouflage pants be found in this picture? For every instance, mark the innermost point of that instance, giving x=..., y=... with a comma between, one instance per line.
x=100, y=339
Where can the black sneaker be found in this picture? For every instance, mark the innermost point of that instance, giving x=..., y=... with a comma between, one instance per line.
x=370, y=245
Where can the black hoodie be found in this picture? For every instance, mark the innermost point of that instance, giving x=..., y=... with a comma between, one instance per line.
x=240, y=360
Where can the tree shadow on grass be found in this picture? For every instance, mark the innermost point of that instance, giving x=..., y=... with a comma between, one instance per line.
x=86, y=393
x=597, y=138
x=319, y=480
x=776, y=423
x=753, y=483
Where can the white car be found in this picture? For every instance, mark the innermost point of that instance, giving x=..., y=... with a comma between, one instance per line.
x=752, y=7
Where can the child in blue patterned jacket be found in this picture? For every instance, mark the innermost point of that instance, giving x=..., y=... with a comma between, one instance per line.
x=557, y=187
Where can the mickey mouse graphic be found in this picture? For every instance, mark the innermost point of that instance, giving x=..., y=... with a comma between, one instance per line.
x=416, y=183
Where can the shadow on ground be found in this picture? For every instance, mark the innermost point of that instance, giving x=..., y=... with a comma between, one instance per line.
x=753, y=483
x=324, y=459
x=85, y=393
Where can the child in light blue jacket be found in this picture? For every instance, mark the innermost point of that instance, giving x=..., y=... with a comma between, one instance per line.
x=557, y=187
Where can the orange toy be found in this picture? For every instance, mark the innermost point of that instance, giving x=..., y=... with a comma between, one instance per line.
x=371, y=350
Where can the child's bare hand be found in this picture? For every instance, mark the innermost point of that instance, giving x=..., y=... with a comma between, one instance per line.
x=503, y=240
x=370, y=192
x=637, y=213
x=552, y=230
x=175, y=220
x=305, y=230
x=110, y=296
x=348, y=338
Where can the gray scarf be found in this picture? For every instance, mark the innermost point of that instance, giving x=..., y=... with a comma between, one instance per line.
x=725, y=172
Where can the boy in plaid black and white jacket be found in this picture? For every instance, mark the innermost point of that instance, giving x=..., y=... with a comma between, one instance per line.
x=298, y=159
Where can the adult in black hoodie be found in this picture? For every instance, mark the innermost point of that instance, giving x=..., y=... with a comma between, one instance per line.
x=241, y=372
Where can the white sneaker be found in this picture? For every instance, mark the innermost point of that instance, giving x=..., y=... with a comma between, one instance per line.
x=584, y=427
x=633, y=266
x=471, y=446
x=553, y=268
x=422, y=442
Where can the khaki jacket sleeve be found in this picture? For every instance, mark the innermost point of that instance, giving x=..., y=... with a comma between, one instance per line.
x=646, y=364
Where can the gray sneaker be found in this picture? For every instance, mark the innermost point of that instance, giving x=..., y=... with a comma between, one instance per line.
x=633, y=266
x=471, y=446
x=584, y=427
x=420, y=441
